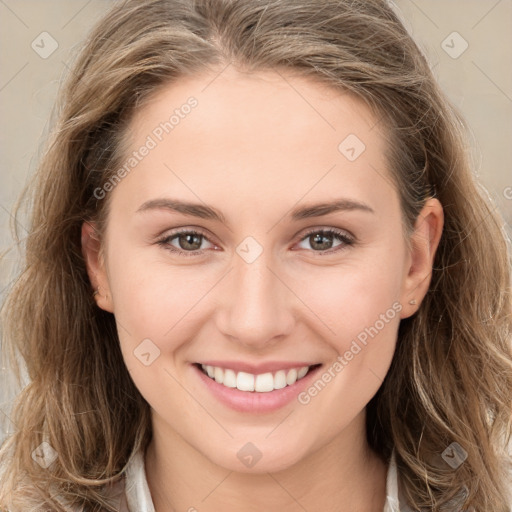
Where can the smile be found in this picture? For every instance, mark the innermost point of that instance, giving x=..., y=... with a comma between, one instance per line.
x=255, y=388
x=260, y=383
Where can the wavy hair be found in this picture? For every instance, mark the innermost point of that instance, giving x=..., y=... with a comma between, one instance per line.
x=451, y=376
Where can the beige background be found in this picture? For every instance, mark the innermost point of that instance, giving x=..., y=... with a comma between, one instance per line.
x=479, y=82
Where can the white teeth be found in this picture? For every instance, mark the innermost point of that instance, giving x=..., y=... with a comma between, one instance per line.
x=291, y=377
x=229, y=379
x=262, y=383
x=280, y=379
x=302, y=372
x=219, y=375
x=245, y=381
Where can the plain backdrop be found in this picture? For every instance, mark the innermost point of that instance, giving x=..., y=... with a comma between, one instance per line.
x=468, y=42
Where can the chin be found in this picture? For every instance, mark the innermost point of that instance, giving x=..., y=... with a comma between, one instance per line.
x=258, y=457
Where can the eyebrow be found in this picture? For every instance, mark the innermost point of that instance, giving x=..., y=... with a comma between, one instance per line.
x=207, y=212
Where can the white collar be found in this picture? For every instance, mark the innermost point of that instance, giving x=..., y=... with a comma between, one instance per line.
x=138, y=497
x=137, y=490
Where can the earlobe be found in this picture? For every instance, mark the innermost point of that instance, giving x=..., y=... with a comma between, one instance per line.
x=424, y=243
x=95, y=265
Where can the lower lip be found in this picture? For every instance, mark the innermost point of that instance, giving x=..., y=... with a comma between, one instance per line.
x=252, y=401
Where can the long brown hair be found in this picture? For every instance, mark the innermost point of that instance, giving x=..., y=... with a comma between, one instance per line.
x=451, y=377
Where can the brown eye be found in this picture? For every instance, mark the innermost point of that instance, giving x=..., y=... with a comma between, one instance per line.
x=187, y=243
x=324, y=240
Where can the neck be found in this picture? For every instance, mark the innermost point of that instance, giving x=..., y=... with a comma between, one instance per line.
x=343, y=476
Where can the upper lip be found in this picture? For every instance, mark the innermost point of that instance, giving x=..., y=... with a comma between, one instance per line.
x=256, y=369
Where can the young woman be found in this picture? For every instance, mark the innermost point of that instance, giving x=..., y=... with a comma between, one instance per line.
x=259, y=275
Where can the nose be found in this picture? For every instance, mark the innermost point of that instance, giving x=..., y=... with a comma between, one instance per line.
x=255, y=305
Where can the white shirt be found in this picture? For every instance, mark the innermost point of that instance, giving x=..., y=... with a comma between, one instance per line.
x=137, y=498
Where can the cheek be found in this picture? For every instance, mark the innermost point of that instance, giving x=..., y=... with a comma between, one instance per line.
x=156, y=300
x=151, y=297
x=357, y=313
x=155, y=316
x=363, y=314
x=349, y=298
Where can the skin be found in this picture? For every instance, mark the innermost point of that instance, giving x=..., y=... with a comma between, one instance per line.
x=255, y=147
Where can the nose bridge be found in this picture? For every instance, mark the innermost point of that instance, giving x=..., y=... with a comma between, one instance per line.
x=256, y=305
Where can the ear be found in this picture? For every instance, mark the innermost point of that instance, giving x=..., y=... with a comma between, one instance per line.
x=95, y=264
x=423, y=245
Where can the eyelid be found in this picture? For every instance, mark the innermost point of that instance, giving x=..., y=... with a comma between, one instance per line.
x=328, y=229
x=346, y=238
x=163, y=240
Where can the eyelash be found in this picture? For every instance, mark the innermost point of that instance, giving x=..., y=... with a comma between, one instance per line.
x=340, y=235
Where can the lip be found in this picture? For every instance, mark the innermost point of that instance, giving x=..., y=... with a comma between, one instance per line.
x=252, y=401
x=256, y=369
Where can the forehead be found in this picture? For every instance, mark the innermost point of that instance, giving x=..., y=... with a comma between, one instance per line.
x=265, y=102
x=267, y=130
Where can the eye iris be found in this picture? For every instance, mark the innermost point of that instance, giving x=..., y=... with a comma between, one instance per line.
x=323, y=239
x=189, y=240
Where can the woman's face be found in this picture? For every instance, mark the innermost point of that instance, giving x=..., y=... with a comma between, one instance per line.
x=258, y=166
